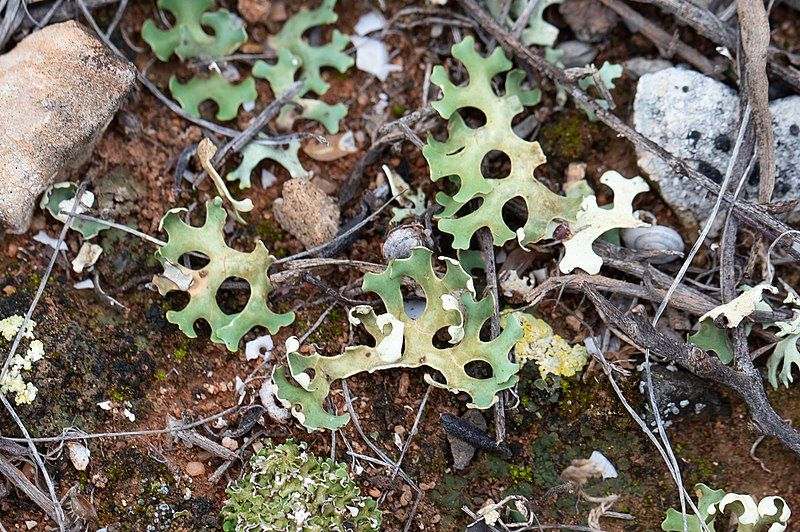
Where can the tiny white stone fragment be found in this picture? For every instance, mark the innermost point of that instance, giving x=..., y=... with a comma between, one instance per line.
x=267, y=179
x=87, y=257
x=230, y=443
x=83, y=285
x=46, y=239
x=603, y=465
x=372, y=57
x=78, y=455
x=369, y=22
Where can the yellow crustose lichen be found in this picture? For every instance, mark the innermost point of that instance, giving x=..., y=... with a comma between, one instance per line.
x=551, y=352
x=12, y=381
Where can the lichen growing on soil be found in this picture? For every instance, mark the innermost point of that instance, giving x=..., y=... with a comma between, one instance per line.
x=135, y=361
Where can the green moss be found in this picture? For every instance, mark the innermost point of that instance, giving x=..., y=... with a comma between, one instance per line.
x=333, y=328
x=398, y=110
x=118, y=470
x=120, y=393
x=161, y=375
x=182, y=350
x=568, y=136
x=521, y=473
x=267, y=231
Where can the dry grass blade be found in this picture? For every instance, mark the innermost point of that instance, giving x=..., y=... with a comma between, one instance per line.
x=21, y=482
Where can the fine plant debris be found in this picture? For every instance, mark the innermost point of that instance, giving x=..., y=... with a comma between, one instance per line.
x=308, y=265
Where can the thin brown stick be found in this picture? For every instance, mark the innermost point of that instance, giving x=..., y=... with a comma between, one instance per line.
x=485, y=238
x=21, y=482
x=663, y=40
x=66, y=436
x=64, y=11
x=707, y=24
x=255, y=126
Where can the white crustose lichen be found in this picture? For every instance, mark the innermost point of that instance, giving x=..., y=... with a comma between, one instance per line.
x=12, y=381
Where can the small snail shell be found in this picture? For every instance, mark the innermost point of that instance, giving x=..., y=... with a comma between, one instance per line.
x=402, y=239
x=653, y=238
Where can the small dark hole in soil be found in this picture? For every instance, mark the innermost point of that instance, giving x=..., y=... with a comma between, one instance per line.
x=203, y=329
x=486, y=331
x=515, y=213
x=178, y=300
x=441, y=340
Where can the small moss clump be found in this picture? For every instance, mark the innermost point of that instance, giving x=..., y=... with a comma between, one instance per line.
x=568, y=135
x=289, y=488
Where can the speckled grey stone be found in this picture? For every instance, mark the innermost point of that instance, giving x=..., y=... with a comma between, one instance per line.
x=695, y=118
x=678, y=393
x=786, y=127
x=691, y=116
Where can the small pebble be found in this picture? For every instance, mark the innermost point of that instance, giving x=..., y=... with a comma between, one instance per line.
x=195, y=469
x=303, y=201
x=230, y=443
x=373, y=492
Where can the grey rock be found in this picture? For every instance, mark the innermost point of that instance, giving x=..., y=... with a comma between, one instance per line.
x=576, y=53
x=786, y=128
x=695, y=118
x=301, y=202
x=461, y=450
x=589, y=20
x=691, y=116
x=636, y=67
x=59, y=89
x=680, y=394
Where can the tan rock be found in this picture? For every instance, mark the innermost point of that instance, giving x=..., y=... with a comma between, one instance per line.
x=254, y=11
x=230, y=443
x=195, y=469
x=307, y=213
x=59, y=89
